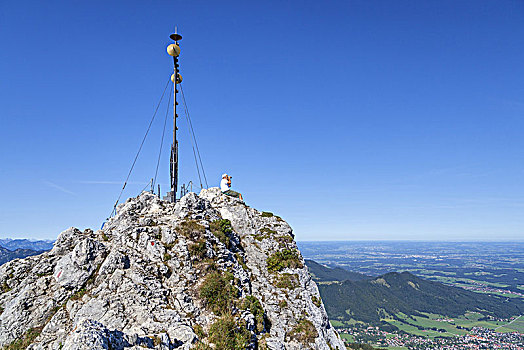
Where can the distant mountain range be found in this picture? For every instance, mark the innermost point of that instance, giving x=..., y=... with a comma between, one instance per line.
x=20, y=248
x=38, y=245
x=347, y=295
x=8, y=255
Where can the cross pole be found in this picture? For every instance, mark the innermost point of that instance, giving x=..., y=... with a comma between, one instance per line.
x=174, y=51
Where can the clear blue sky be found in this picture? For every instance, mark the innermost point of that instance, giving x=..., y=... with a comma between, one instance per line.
x=350, y=119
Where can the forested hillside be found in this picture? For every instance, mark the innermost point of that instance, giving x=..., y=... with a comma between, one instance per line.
x=374, y=299
x=8, y=255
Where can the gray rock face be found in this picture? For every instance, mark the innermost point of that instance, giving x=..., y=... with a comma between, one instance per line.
x=141, y=282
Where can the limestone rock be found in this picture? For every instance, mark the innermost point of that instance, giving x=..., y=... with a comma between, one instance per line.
x=141, y=282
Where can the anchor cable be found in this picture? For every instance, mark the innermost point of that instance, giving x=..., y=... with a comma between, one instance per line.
x=140, y=148
x=162, y=140
x=193, y=134
x=194, y=154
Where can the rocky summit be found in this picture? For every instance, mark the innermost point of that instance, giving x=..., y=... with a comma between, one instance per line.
x=208, y=272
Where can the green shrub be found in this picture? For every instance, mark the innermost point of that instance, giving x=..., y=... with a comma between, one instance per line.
x=241, y=261
x=217, y=292
x=262, y=343
x=227, y=334
x=199, y=331
x=286, y=280
x=282, y=304
x=167, y=256
x=304, y=332
x=253, y=305
x=222, y=230
x=78, y=295
x=26, y=339
x=268, y=230
x=316, y=301
x=267, y=214
x=170, y=246
x=283, y=259
x=198, y=249
x=4, y=288
x=285, y=239
x=260, y=238
x=191, y=229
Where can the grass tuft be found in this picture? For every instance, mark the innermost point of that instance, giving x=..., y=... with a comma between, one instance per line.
x=191, y=229
x=227, y=333
x=222, y=230
x=287, y=280
x=198, y=249
x=316, y=301
x=217, y=292
x=280, y=260
x=304, y=332
x=253, y=305
x=26, y=339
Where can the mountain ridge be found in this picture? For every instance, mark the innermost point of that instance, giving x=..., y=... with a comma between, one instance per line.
x=373, y=299
x=8, y=255
x=206, y=271
x=322, y=273
x=24, y=243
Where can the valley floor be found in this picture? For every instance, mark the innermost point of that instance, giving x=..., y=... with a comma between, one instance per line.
x=436, y=332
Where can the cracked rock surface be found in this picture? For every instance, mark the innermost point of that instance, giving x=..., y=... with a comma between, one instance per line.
x=140, y=283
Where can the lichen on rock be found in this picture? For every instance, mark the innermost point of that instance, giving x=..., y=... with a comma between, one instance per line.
x=207, y=272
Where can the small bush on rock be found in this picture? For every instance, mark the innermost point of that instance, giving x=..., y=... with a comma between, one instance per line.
x=79, y=295
x=268, y=230
x=316, y=301
x=283, y=259
x=287, y=280
x=267, y=214
x=304, y=332
x=253, y=305
x=199, y=331
x=222, y=230
x=241, y=261
x=262, y=343
x=191, y=229
x=26, y=339
x=217, y=292
x=198, y=249
x=4, y=288
x=227, y=334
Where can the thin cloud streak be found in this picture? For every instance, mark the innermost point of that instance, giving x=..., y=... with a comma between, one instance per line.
x=58, y=187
